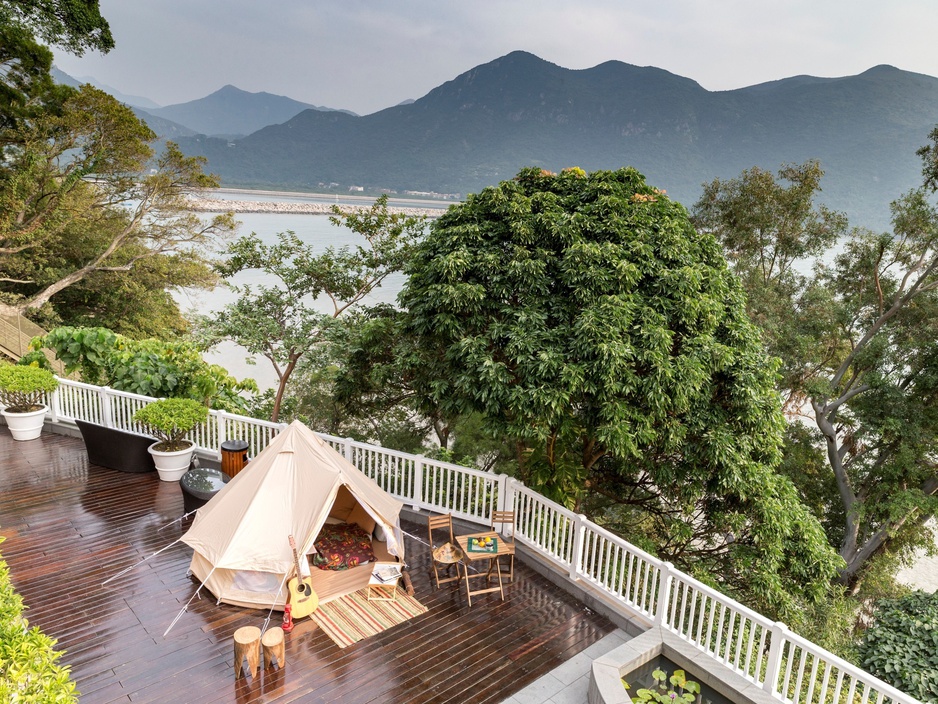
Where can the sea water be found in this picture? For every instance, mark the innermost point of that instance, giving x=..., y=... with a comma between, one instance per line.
x=316, y=231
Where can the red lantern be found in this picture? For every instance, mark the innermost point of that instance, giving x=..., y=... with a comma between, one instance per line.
x=287, y=619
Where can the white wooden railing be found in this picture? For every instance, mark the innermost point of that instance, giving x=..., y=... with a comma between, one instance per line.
x=766, y=653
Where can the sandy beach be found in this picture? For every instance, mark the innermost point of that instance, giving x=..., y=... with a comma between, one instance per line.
x=311, y=207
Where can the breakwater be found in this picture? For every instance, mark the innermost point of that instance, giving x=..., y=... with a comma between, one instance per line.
x=213, y=205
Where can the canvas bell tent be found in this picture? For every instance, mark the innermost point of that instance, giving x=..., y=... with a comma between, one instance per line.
x=240, y=538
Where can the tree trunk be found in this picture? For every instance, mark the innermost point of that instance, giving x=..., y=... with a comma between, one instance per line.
x=857, y=556
x=282, y=387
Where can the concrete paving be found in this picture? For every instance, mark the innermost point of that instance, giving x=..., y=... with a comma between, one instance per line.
x=923, y=573
x=568, y=683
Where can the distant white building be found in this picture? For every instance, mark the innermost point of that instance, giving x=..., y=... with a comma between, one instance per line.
x=356, y=189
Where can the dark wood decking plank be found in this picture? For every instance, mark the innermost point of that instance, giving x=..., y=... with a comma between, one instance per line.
x=70, y=526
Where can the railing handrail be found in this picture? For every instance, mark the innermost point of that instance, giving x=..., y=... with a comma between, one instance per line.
x=654, y=582
x=722, y=598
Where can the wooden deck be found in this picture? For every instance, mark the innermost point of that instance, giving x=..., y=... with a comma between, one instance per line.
x=70, y=525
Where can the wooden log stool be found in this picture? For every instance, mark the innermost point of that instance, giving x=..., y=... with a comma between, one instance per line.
x=247, y=644
x=273, y=647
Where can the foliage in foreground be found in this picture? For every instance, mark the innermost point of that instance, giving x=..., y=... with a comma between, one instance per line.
x=29, y=669
x=149, y=367
x=902, y=646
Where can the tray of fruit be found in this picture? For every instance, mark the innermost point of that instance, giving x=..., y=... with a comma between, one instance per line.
x=483, y=545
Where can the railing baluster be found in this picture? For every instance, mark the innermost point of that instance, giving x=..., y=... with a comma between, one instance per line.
x=579, y=530
x=692, y=612
x=757, y=667
x=749, y=649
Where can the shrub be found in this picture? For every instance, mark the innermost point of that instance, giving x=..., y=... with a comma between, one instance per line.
x=901, y=647
x=29, y=671
x=23, y=389
x=170, y=419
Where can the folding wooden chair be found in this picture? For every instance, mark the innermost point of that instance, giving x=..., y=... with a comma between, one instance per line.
x=499, y=520
x=443, y=555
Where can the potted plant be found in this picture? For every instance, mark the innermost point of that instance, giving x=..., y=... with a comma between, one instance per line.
x=23, y=392
x=169, y=420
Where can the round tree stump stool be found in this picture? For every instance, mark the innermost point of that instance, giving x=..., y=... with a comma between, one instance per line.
x=247, y=644
x=273, y=647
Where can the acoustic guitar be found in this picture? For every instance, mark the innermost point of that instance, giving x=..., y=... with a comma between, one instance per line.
x=303, y=600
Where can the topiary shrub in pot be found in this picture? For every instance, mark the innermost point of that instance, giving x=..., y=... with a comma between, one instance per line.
x=23, y=391
x=169, y=420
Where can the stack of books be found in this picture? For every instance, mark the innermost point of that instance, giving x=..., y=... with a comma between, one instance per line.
x=387, y=573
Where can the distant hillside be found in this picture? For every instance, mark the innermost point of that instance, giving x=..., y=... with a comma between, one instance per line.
x=519, y=110
x=60, y=76
x=137, y=101
x=164, y=129
x=231, y=111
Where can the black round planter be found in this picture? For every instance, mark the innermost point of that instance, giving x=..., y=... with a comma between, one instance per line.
x=199, y=485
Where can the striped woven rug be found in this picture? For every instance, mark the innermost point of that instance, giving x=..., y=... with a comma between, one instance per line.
x=352, y=617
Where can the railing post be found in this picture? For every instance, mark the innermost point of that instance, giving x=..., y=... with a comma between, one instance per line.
x=664, y=594
x=347, y=448
x=579, y=532
x=222, y=432
x=107, y=419
x=506, y=493
x=418, y=482
x=774, y=664
x=506, y=497
x=54, y=405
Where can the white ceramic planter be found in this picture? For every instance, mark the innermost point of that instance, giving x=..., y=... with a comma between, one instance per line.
x=25, y=426
x=171, y=465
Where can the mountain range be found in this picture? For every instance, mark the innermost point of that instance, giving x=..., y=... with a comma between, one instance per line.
x=228, y=112
x=519, y=110
x=232, y=112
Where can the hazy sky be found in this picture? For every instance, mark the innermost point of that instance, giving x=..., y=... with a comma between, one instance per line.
x=367, y=55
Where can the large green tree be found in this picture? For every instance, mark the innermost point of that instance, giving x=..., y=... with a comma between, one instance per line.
x=280, y=321
x=583, y=317
x=88, y=217
x=74, y=25
x=858, y=332
x=26, y=86
x=82, y=194
x=374, y=381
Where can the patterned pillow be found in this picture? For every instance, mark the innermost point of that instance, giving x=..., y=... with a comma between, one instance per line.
x=341, y=546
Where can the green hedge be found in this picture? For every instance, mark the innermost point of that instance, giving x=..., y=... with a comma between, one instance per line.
x=901, y=647
x=29, y=672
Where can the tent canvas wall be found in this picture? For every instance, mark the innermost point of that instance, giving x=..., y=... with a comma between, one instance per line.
x=240, y=538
